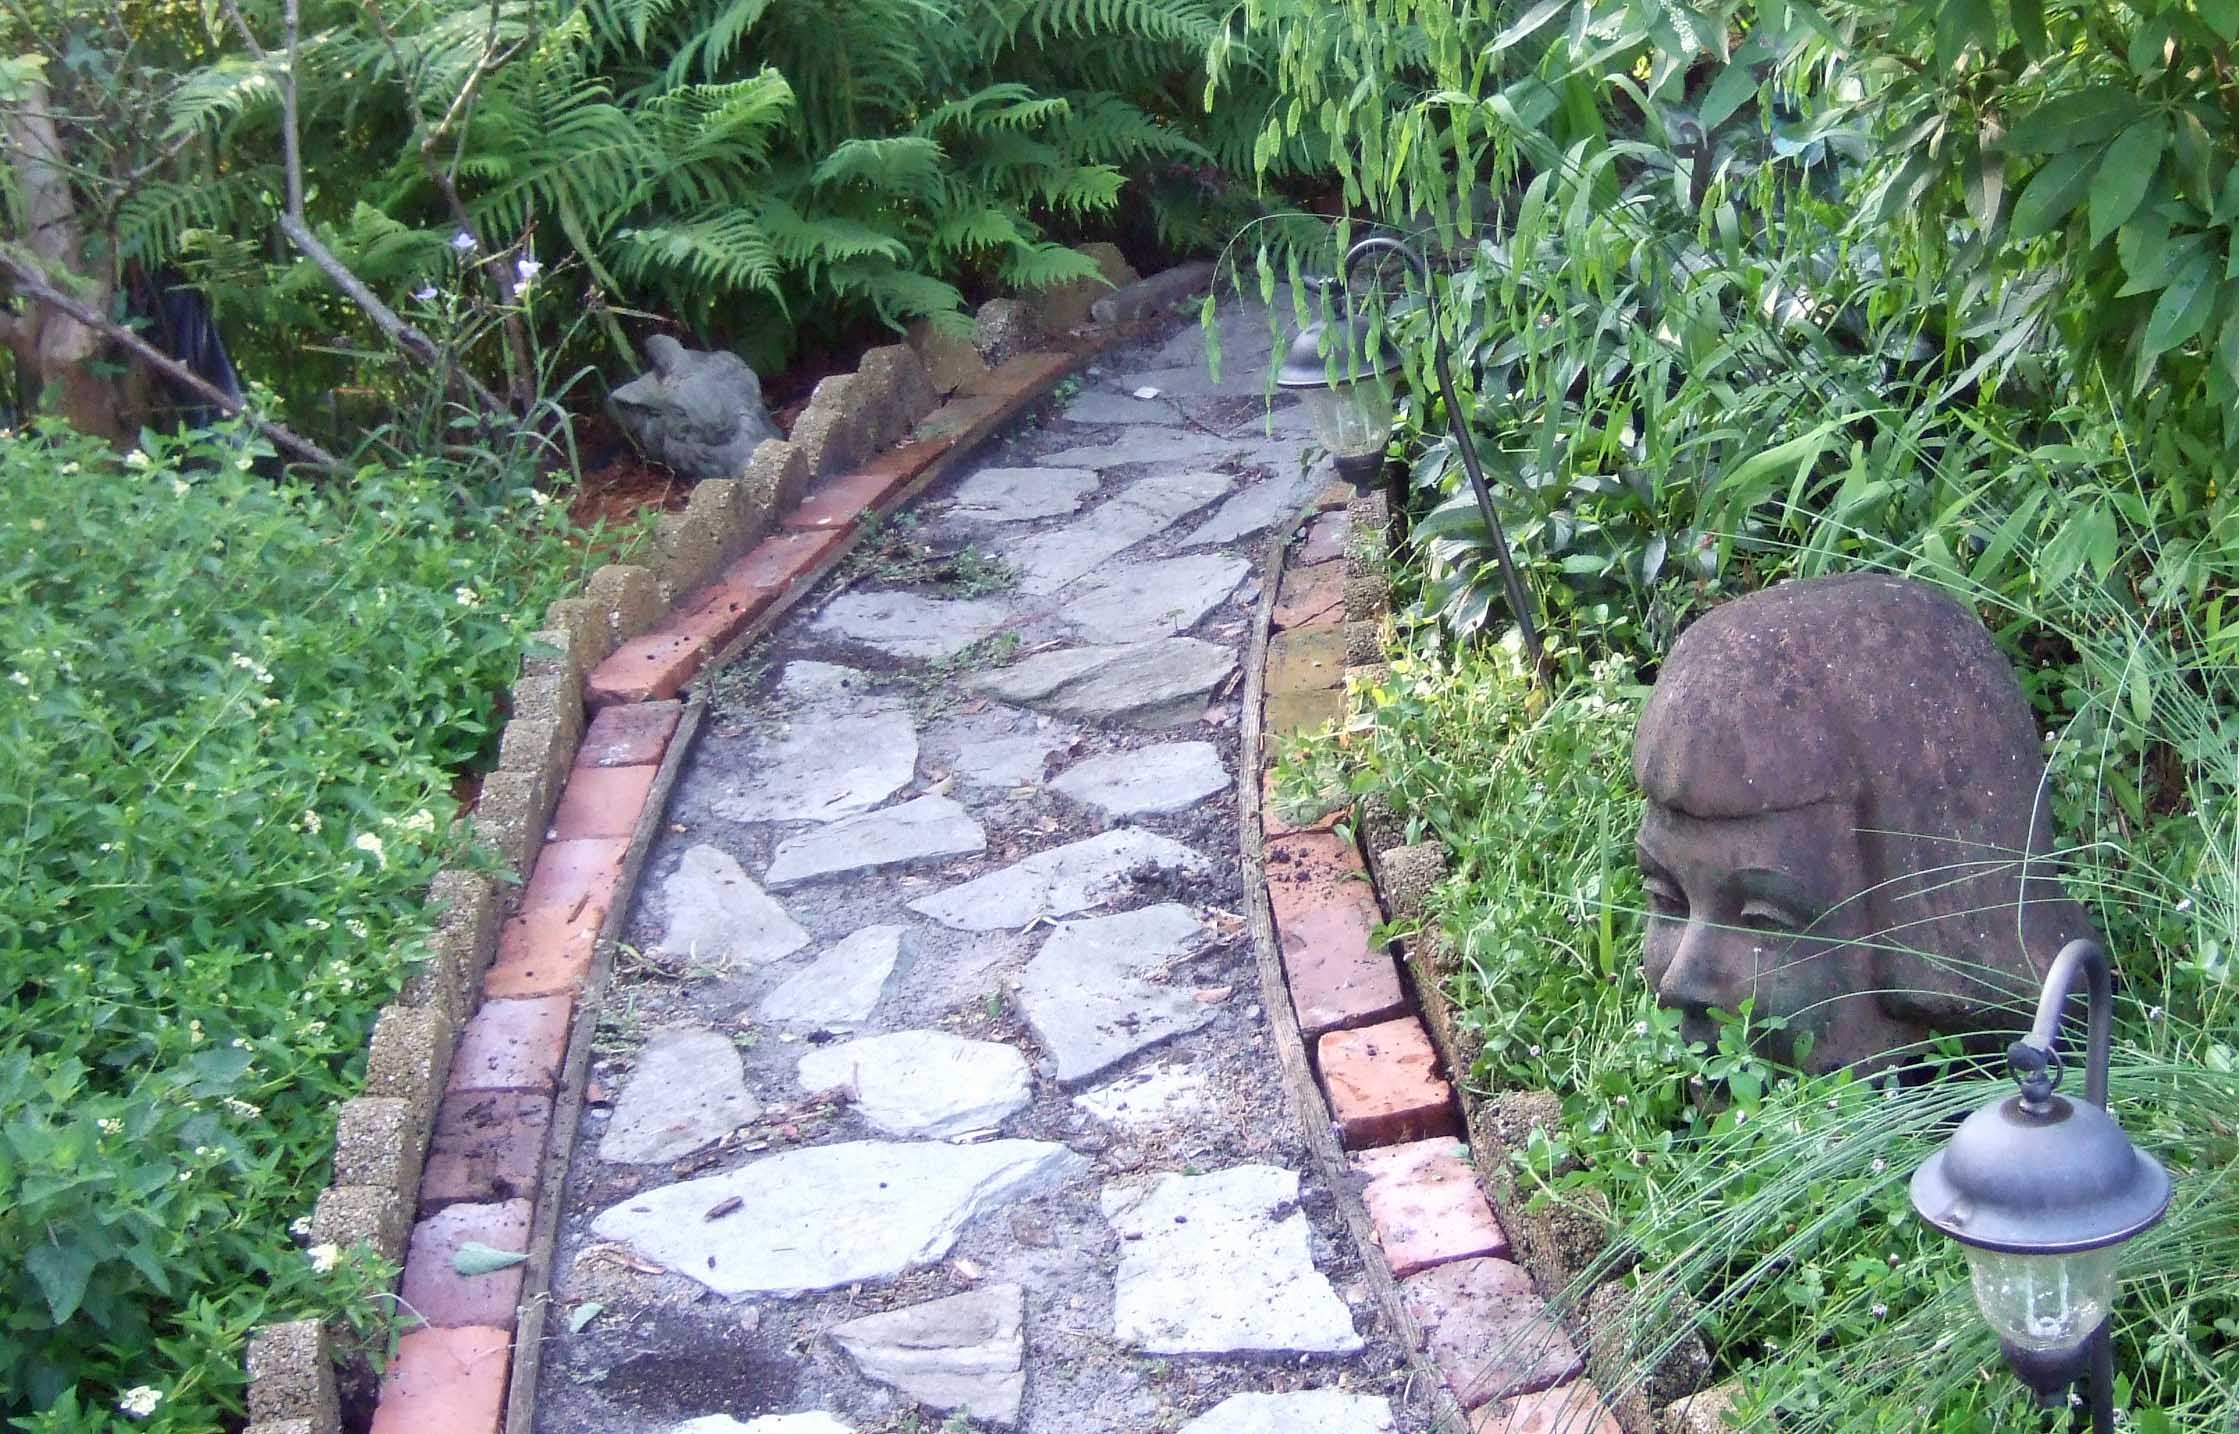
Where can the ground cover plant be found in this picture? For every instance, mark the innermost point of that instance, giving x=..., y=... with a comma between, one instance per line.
x=232, y=712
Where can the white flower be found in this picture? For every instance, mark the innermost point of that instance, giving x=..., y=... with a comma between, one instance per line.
x=194, y=1032
x=525, y=270
x=1640, y=1028
x=242, y=1108
x=110, y=1125
x=311, y=822
x=317, y=923
x=137, y=458
x=324, y=1258
x=300, y=1226
x=467, y=596
x=539, y=497
x=19, y=679
x=463, y=242
x=1881, y=1311
x=422, y=820
x=178, y=487
x=2154, y=1013
x=312, y=1028
x=426, y=294
x=1534, y=1053
x=1880, y=1165
x=139, y=1401
x=355, y=927
x=370, y=844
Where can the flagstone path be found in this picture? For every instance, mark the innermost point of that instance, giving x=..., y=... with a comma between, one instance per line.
x=933, y=1091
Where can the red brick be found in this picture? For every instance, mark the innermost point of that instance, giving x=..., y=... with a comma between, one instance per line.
x=1383, y=1084
x=435, y=1291
x=445, y=1381
x=1021, y=375
x=645, y=669
x=547, y=947
x=1426, y=1206
x=1325, y=538
x=783, y=559
x=602, y=802
x=843, y=501
x=960, y=419
x=910, y=459
x=1307, y=659
x=633, y=736
x=1488, y=1331
x=1310, y=595
x=1302, y=714
x=723, y=609
x=488, y=1145
x=512, y=1045
x=1324, y=920
x=1338, y=494
x=1574, y=1408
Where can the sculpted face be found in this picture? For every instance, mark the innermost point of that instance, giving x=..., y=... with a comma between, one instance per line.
x=1843, y=822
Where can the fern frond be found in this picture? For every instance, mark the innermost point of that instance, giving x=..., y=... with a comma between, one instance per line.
x=1182, y=22
x=728, y=251
x=1042, y=266
x=902, y=164
x=220, y=93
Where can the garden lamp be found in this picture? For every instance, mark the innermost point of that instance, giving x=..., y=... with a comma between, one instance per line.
x=2043, y=1192
x=1343, y=371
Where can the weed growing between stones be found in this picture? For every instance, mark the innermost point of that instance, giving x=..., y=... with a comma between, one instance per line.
x=892, y=554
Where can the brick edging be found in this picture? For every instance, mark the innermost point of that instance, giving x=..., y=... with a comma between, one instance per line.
x=496, y=1024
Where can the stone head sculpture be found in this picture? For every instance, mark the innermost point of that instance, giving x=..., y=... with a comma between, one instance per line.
x=699, y=413
x=1844, y=821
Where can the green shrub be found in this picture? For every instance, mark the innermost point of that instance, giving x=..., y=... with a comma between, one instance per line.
x=231, y=712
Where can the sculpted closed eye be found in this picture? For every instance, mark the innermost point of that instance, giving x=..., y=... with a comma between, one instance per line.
x=1664, y=898
x=1770, y=916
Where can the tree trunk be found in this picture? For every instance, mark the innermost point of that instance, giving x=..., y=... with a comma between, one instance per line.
x=55, y=350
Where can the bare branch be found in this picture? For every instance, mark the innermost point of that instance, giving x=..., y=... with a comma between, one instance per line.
x=33, y=284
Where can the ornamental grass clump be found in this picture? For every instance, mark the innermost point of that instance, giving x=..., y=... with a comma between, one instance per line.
x=231, y=713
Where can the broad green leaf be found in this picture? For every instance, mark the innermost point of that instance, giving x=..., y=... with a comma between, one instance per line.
x=1528, y=24
x=2123, y=175
x=1961, y=24
x=475, y=1258
x=2183, y=308
x=1986, y=187
x=2221, y=16
x=62, y=1271
x=1734, y=85
x=2051, y=192
x=2151, y=258
x=2073, y=120
x=2029, y=26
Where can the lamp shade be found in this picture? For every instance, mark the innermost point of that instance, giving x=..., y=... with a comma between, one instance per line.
x=1343, y=380
x=2042, y=1192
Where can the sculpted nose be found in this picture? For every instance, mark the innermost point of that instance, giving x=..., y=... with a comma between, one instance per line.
x=1696, y=979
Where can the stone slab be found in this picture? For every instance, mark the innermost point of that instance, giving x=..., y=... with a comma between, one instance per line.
x=1103, y=406
x=1488, y=1331
x=1573, y=1408
x=687, y=1091
x=718, y=915
x=1142, y=446
x=1219, y=1264
x=1138, y=601
x=907, y=625
x=1047, y=560
x=928, y=1085
x=1012, y=495
x=1017, y=761
x=824, y=765
x=1425, y=1204
x=966, y=1352
x=1156, y=684
x=1170, y=777
x=831, y=1215
x=1062, y=881
x=1258, y=506
x=1152, y=1095
x=1090, y=995
x=917, y=830
x=842, y=987
x=814, y=1421
x=1307, y=1411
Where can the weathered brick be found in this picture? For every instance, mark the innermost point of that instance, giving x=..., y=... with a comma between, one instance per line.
x=1308, y=659
x=488, y=1146
x=1573, y=1408
x=1309, y=595
x=291, y=1373
x=293, y=1426
x=380, y=1140
x=1325, y=539
x=550, y=697
x=646, y=669
x=540, y=745
x=1383, y=1084
x=548, y=945
x=1278, y=820
x=372, y=1215
x=633, y=736
x=514, y=1045
x=783, y=560
x=1325, y=917
x=433, y=1288
x=445, y=1381
x=1023, y=376
x=1426, y=1206
x=602, y=802
x=1488, y=1331
x=843, y=501
x=960, y=420
x=1302, y=714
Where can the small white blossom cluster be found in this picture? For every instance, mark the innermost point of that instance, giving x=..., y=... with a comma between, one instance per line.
x=139, y=1401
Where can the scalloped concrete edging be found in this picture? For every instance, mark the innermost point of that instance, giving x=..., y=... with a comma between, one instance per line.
x=1439, y=1252
x=484, y=1052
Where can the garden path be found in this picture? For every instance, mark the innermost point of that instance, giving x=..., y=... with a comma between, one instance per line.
x=933, y=1091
